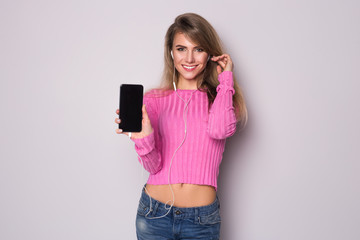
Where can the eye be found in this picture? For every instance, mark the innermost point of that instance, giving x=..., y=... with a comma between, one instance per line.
x=181, y=49
x=199, y=50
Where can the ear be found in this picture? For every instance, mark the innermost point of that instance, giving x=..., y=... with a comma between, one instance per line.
x=172, y=56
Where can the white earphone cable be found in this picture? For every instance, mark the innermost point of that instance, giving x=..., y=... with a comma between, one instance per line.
x=185, y=111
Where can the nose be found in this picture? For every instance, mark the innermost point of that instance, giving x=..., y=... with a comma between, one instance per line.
x=190, y=57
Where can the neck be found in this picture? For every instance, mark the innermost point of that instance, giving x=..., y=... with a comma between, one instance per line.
x=187, y=84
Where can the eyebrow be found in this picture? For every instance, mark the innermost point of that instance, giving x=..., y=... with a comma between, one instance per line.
x=186, y=47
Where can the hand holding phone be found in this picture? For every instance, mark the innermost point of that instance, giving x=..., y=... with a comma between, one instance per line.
x=132, y=113
x=146, y=125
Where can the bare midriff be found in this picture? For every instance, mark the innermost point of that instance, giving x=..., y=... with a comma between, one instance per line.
x=186, y=195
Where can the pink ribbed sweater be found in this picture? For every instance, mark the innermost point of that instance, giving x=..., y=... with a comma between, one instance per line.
x=198, y=159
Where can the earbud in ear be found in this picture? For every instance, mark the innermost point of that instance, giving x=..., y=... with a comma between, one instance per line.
x=172, y=56
x=209, y=57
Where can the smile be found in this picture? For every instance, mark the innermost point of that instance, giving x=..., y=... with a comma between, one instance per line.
x=189, y=68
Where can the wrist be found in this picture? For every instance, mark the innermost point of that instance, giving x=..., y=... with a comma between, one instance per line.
x=142, y=134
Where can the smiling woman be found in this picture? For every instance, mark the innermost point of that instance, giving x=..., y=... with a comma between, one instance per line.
x=184, y=129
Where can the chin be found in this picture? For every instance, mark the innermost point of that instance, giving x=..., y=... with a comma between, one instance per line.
x=190, y=76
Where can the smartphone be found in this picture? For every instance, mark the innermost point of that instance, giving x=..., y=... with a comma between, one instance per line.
x=131, y=101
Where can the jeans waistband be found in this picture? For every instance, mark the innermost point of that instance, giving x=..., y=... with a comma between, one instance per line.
x=162, y=208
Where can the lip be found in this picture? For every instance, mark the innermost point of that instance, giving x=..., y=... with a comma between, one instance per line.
x=189, y=68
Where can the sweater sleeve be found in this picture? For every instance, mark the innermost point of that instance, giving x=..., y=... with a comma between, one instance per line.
x=222, y=119
x=149, y=147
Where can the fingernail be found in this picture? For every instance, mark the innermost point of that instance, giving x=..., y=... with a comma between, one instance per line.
x=120, y=130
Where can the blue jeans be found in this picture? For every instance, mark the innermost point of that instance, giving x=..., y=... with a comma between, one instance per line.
x=180, y=223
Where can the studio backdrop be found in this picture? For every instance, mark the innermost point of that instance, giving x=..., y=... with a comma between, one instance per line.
x=291, y=174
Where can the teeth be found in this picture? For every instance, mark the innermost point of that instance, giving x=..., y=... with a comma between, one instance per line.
x=189, y=67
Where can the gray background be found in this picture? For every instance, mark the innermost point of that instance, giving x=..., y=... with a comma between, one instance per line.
x=65, y=173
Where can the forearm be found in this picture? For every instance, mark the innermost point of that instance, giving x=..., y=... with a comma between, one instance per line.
x=148, y=155
x=222, y=119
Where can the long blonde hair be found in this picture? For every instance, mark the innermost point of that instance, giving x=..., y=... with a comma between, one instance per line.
x=202, y=33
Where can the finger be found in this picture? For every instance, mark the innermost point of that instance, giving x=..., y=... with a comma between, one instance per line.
x=223, y=56
x=218, y=69
x=222, y=64
x=117, y=111
x=229, y=64
x=228, y=58
x=117, y=120
x=215, y=58
x=145, y=114
x=220, y=58
x=120, y=131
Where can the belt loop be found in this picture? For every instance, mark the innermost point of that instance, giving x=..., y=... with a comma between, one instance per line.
x=196, y=214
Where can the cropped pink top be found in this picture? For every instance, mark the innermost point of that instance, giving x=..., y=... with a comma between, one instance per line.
x=198, y=159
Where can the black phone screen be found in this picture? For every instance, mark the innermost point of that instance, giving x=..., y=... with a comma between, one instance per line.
x=131, y=100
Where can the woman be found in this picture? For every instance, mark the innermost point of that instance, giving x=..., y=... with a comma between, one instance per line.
x=184, y=129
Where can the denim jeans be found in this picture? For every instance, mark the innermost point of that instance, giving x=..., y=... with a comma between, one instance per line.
x=180, y=223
